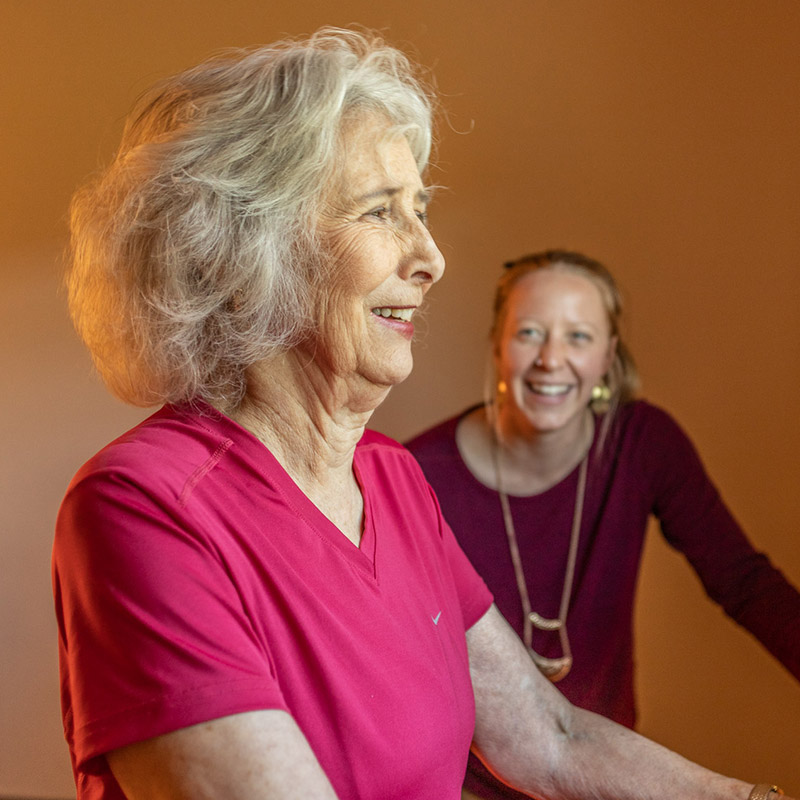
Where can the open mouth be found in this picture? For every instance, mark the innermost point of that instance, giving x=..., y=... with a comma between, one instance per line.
x=549, y=389
x=402, y=314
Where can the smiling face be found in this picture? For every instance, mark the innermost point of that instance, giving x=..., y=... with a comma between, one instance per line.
x=554, y=346
x=373, y=231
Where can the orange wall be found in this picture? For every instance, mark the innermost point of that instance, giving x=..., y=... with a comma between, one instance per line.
x=659, y=137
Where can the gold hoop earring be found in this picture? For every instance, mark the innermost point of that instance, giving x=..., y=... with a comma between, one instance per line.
x=601, y=396
x=601, y=392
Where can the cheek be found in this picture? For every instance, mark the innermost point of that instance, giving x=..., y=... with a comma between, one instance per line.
x=514, y=360
x=338, y=330
x=357, y=257
x=595, y=365
x=339, y=302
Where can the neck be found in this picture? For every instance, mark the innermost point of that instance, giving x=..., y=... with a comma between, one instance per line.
x=311, y=424
x=532, y=460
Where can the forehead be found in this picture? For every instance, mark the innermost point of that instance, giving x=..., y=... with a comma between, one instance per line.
x=372, y=151
x=558, y=288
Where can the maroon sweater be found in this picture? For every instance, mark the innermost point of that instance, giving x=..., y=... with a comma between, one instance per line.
x=647, y=466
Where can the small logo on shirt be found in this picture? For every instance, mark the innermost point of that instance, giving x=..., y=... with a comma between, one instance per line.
x=436, y=618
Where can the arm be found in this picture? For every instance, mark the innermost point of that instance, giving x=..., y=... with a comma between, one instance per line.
x=533, y=739
x=695, y=520
x=251, y=756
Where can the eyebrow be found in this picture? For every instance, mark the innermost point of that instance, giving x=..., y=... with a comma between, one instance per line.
x=422, y=196
x=521, y=318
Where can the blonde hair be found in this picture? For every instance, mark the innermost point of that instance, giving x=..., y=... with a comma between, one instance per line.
x=194, y=254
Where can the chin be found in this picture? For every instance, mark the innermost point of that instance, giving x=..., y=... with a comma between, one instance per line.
x=547, y=423
x=549, y=417
x=395, y=377
x=391, y=373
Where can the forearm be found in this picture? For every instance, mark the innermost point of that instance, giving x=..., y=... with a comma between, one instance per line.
x=596, y=758
x=533, y=739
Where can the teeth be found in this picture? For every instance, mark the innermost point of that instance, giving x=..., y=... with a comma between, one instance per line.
x=550, y=389
x=403, y=314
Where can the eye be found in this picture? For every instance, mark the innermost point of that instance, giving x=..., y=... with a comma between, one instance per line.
x=581, y=337
x=422, y=216
x=380, y=213
x=528, y=334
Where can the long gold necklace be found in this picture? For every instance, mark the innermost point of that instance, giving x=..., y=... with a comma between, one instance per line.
x=554, y=668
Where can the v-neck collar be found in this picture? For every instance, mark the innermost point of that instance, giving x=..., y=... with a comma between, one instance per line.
x=362, y=557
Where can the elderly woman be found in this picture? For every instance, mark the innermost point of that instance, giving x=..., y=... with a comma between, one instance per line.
x=256, y=598
x=549, y=486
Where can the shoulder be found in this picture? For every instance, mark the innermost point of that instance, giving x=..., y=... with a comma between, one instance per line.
x=438, y=439
x=376, y=439
x=163, y=456
x=379, y=452
x=652, y=443
x=131, y=506
x=644, y=420
x=392, y=471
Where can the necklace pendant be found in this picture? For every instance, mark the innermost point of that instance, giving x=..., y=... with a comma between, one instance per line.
x=544, y=624
x=554, y=669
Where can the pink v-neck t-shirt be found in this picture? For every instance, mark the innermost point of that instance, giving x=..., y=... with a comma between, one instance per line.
x=194, y=580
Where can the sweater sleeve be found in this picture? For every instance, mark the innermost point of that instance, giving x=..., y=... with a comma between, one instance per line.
x=695, y=520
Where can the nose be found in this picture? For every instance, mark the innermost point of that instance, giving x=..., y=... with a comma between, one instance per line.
x=425, y=262
x=550, y=356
